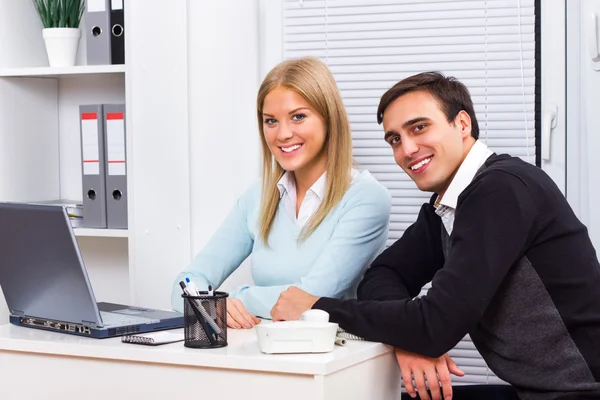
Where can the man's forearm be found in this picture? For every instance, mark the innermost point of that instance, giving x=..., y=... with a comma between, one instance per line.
x=413, y=325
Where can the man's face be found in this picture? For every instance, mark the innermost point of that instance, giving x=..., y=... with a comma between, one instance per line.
x=426, y=146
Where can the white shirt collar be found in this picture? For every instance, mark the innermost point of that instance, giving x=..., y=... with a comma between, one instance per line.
x=465, y=174
x=287, y=183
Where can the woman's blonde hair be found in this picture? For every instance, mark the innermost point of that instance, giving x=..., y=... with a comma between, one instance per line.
x=312, y=80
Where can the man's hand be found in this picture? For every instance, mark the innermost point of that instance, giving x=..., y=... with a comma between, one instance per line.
x=291, y=304
x=422, y=367
x=237, y=315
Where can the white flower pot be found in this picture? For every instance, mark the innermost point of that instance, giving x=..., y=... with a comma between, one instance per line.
x=61, y=45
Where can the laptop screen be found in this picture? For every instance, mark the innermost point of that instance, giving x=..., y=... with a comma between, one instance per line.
x=41, y=270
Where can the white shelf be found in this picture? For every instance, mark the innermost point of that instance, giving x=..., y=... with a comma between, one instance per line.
x=118, y=233
x=62, y=71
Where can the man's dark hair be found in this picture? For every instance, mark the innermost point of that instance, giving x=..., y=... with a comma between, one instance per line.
x=452, y=95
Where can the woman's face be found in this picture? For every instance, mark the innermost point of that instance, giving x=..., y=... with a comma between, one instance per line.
x=294, y=132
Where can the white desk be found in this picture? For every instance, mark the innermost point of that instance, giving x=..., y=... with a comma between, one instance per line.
x=36, y=364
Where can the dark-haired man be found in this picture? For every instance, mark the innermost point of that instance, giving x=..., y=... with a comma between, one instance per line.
x=510, y=263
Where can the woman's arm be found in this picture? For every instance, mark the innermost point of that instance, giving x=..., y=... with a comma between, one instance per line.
x=359, y=236
x=227, y=249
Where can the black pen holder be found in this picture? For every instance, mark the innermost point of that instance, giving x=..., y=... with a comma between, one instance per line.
x=205, y=320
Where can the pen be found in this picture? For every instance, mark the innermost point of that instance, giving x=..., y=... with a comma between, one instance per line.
x=188, y=290
x=190, y=284
x=201, y=314
x=211, y=294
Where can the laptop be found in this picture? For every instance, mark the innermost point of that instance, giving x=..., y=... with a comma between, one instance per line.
x=46, y=285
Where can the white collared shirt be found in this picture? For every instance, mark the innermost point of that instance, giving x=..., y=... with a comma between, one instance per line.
x=312, y=199
x=446, y=209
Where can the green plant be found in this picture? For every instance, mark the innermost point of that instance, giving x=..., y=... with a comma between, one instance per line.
x=60, y=13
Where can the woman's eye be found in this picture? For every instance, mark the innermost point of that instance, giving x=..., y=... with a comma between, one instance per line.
x=270, y=121
x=298, y=117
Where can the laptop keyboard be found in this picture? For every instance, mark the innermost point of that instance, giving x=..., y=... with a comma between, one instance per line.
x=116, y=319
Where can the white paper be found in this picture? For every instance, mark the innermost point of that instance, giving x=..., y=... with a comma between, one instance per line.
x=116, y=4
x=115, y=137
x=89, y=145
x=165, y=336
x=96, y=5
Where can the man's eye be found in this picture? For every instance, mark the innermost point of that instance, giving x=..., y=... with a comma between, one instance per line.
x=419, y=128
x=395, y=140
x=298, y=117
x=270, y=121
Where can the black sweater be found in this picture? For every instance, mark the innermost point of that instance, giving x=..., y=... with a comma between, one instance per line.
x=520, y=276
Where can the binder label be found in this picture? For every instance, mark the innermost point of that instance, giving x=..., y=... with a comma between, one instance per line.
x=89, y=143
x=116, y=4
x=96, y=5
x=115, y=141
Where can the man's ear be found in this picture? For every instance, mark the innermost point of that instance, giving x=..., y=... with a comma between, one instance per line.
x=463, y=121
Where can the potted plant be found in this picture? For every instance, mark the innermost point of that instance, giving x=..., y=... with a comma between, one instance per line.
x=61, y=32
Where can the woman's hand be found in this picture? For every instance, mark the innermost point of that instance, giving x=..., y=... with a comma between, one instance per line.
x=238, y=317
x=291, y=304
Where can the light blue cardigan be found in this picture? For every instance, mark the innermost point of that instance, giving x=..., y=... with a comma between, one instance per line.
x=330, y=262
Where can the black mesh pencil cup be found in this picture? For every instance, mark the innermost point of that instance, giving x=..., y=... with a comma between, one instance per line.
x=205, y=320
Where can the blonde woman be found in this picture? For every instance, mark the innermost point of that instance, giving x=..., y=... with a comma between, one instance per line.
x=313, y=221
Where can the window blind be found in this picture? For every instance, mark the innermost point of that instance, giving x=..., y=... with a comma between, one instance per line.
x=369, y=45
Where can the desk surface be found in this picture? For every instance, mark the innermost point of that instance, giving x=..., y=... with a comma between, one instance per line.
x=241, y=353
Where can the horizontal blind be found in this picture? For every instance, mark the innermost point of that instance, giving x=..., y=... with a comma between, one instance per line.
x=369, y=45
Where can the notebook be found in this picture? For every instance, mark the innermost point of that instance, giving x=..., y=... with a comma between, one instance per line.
x=155, y=338
x=346, y=335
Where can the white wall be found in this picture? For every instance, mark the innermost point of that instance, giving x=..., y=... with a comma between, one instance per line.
x=22, y=29
x=224, y=142
x=270, y=21
x=576, y=155
x=553, y=91
x=583, y=101
x=158, y=168
x=195, y=147
x=105, y=262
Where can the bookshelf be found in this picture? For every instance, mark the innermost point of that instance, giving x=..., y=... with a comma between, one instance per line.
x=55, y=72
x=40, y=136
x=190, y=128
x=113, y=233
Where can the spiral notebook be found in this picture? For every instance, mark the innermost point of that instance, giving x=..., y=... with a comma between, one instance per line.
x=346, y=335
x=154, y=338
